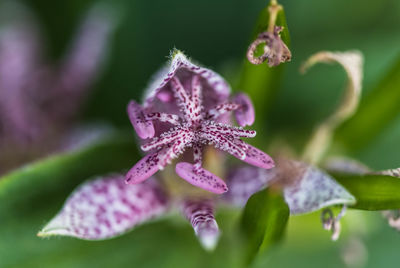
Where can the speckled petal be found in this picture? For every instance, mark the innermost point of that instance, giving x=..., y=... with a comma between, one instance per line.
x=180, y=61
x=144, y=128
x=245, y=115
x=106, y=207
x=200, y=213
x=246, y=181
x=143, y=169
x=258, y=158
x=315, y=190
x=201, y=178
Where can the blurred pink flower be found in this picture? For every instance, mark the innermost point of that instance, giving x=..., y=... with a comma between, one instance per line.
x=39, y=102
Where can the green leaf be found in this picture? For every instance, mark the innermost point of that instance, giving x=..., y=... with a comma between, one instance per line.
x=57, y=175
x=376, y=111
x=372, y=192
x=261, y=81
x=264, y=222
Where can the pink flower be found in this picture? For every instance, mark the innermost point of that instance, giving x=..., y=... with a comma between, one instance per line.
x=186, y=108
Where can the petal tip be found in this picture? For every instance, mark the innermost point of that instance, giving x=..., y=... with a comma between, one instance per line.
x=202, y=178
x=53, y=228
x=46, y=233
x=142, y=170
x=245, y=116
x=209, y=241
x=144, y=129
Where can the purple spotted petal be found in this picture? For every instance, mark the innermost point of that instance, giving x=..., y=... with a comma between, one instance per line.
x=245, y=181
x=315, y=190
x=143, y=128
x=201, y=178
x=258, y=158
x=213, y=85
x=106, y=207
x=200, y=213
x=189, y=106
x=143, y=169
x=245, y=115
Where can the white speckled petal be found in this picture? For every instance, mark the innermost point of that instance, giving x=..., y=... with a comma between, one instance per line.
x=106, y=207
x=315, y=190
x=200, y=213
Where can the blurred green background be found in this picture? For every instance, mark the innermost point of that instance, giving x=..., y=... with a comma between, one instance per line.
x=216, y=33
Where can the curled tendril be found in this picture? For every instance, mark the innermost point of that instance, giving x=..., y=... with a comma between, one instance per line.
x=332, y=223
x=275, y=50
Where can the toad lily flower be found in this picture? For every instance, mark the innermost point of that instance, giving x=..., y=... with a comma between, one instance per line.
x=185, y=108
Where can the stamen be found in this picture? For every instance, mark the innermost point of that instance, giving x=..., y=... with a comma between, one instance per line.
x=165, y=139
x=182, y=97
x=196, y=99
x=185, y=139
x=230, y=130
x=224, y=144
